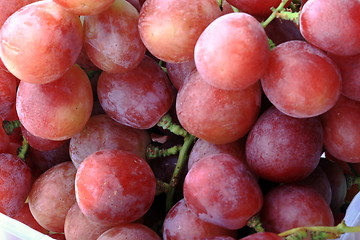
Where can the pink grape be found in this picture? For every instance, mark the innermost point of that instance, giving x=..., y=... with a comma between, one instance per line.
x=182, y=224
x=178, y=72
x=262, y=236
x=215, y=115
x=78, y=226
x=101, y=132
x=56, y=110
x=8, y=87
x=52, y=195
x=301, y=80
x=114, y=187
x=40, y=42
x=170, y=28
x=232, y=53
x=281, y=148
x=85, y=7
x=256, y=7
x=134, y=231
x=112, y=39
x=138, y=98
x=221, y=190
x=340, y=33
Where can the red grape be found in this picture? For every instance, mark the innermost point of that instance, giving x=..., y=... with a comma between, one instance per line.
x=40, y=144
x=178, y=72
x=341, y=130
x=52, y=195
x=101, y=132
x=182, y=224
x=85, y=7
x=256, y=7
x=114, y=187
x=56, y=110
x=170, y=28
x=232, y=53
x=340, y=33
x=301, y=80
x=9, y=7
x=133, y=231
x=25, y=216
x=138, y=98
x=215, y=115
x=112, y=39
x=40, y=42
x=16, y=181
x=289, y=206
x=281, y=148
x=349, y=67
x=8, y=85
x=221, y=190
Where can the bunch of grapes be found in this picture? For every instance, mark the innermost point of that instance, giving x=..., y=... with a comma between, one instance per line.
x=178, y=119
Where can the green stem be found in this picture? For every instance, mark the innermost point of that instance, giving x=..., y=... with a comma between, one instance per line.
x=167, y=124
x=318, y=232
x=22, y=151
x=162, y=187
x=220, y=4
x=156, y=152
x=235, y=9
x=9, y=126
x=255, y=223
x=161, y=64
x=274, y=13
x=183, y=155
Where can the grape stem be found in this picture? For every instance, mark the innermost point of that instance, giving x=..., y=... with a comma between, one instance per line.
x=280, y=12
x=255, y=223
x=220, y=4
x=22, y=151
x=9, y=126
x=318, y=232
x=157, y=152
x=167, y=124
x=183, y=156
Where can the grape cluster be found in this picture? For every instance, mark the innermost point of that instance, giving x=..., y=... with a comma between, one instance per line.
x=178, y=119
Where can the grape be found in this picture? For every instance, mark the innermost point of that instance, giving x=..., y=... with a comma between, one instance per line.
x=280, y=31
x=262, y=236
x=301, y=80
x=337, y=182
x=219, y=238
x=112, y=39
x=40, y=144
x=56, y=110
x=40, y=42
x=8, y=85
x=77, y=226
x=203, y=148
x=182, y=224
x=289, y=206
x=349, y=68
x=114, y=187
x=9, y=7
x=170, y=28
x=85, y=7
x=52, y=195
x=4, y=140
x=232, y=53
x=341, y=130
x=256, y=7
x=134, y=231
x=44, y=160
x=138, y=98
x=281, y=148
x=221, y=190
x=101, y=132
x=215, y=115
x=318, y=181
x=178, y=72
x=25, y=216
x=16, y=181
x=340, y=33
